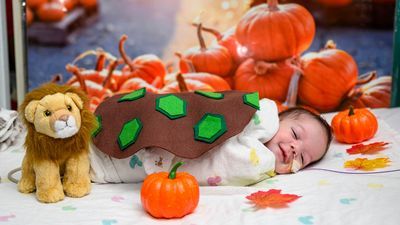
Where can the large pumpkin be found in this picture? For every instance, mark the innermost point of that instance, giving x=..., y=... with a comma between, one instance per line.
x=214, y=59
x=274, y=32
x=328, y=76
x=354, y=125
x=271, y=80
x=375, y=94
x=172, y=195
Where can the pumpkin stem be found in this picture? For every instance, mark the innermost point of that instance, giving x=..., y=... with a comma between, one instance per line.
x=216, y=33
x=100, y=61
x=262, y=67
x=181, y=82
x=291, y=97
x=366, y=77
x=187, y=66
x=351, y=110
x=124, y=56
x=74, y=70
x=330, y=44
x=172, y=173
x=106, y=82
x=203, y=46
x=273, y=5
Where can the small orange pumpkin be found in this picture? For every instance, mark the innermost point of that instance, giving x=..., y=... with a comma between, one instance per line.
x=354, y=125
x=29, y=16
x=170, y=195
x=274, y=32
x=214, y=59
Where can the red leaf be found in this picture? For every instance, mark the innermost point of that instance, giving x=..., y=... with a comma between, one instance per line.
x=367, y=149
x=271, y=198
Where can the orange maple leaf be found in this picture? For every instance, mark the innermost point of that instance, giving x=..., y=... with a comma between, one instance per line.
x=367, y=149
x=271, y=198
x=367, y=164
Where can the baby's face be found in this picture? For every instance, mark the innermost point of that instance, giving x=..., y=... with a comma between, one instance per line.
x=302, y=139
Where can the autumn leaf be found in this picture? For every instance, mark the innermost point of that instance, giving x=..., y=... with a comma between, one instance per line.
x=367, y=164
x=367, y=149
x=271, y=198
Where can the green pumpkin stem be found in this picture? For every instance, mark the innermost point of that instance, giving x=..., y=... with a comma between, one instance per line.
x=172, y=173
x=351, y=110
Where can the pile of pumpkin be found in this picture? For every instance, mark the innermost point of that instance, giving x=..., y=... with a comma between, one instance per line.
x=263, y=53
x=54, y=10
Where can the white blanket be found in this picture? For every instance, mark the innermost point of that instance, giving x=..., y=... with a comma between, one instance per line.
x=326, y=197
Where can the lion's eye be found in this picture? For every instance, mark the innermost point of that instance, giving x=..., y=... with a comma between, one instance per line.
x=69, y=107
x=47, y=113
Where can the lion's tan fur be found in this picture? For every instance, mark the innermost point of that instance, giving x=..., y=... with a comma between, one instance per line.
x=44, y=152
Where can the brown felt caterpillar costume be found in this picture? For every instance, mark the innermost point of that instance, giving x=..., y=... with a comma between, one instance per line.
x=59, y=126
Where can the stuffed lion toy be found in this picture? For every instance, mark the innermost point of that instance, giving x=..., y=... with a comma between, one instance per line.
x=59, y=126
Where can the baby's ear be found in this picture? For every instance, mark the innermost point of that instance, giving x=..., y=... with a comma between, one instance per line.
x=78, y=101
x=30, y=110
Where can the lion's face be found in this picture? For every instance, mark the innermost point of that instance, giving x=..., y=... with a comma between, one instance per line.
x=57, y=115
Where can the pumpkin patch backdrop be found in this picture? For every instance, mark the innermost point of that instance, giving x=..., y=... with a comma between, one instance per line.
x=324, y=54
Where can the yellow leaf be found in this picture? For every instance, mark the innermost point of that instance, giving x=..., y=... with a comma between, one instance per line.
x=367, y=164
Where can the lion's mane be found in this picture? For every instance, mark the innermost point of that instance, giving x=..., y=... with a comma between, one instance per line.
x=42, y=147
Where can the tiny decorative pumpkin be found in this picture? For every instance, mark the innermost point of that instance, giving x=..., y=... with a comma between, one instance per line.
x=214, y=59
x=172, y=195
x=354, y=125
x=328, y=75
x=274, y=32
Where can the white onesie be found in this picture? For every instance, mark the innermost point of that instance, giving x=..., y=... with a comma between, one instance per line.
x=241, y=160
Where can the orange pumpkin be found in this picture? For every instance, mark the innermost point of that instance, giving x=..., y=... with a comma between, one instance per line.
x=228, y=40
x=184, y=85
x=271, y=80
x=216, y=82
x=334, y=3
x=274, y=32
x=215, y=59
x=51, y=12
x=375, y=94
x=136, y=83
x=35, y=4
x=170, y=195
x=354, y=125
x=69, y=4
x=88, y=4
x=327, y=77
x=147, y=66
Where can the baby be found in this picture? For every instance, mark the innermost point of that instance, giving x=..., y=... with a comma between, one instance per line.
x=270, y=143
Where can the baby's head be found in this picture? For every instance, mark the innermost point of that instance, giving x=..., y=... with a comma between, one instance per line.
x=302, y=136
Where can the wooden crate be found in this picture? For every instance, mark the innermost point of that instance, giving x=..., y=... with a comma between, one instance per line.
x=62, y=32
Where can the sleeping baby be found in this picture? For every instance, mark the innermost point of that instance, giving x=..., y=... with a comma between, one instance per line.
x=226, y=138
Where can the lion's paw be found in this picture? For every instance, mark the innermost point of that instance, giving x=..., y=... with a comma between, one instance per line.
x=50, y=195
x=77, y=189
x=26, y=186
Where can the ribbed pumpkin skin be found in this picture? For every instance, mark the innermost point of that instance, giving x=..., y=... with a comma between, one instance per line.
x=169, y=198
x=355, y=128
x=328, y=76
x=274, y=32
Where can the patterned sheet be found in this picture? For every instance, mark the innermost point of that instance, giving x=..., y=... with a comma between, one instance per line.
x=326, y=197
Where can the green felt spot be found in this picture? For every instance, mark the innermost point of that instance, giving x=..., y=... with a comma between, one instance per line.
x=209, y=94
x=172, y=106
x=133, y=95
x=252, y=100
x=99, y=126
x=129, y=133
x=210, y=127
